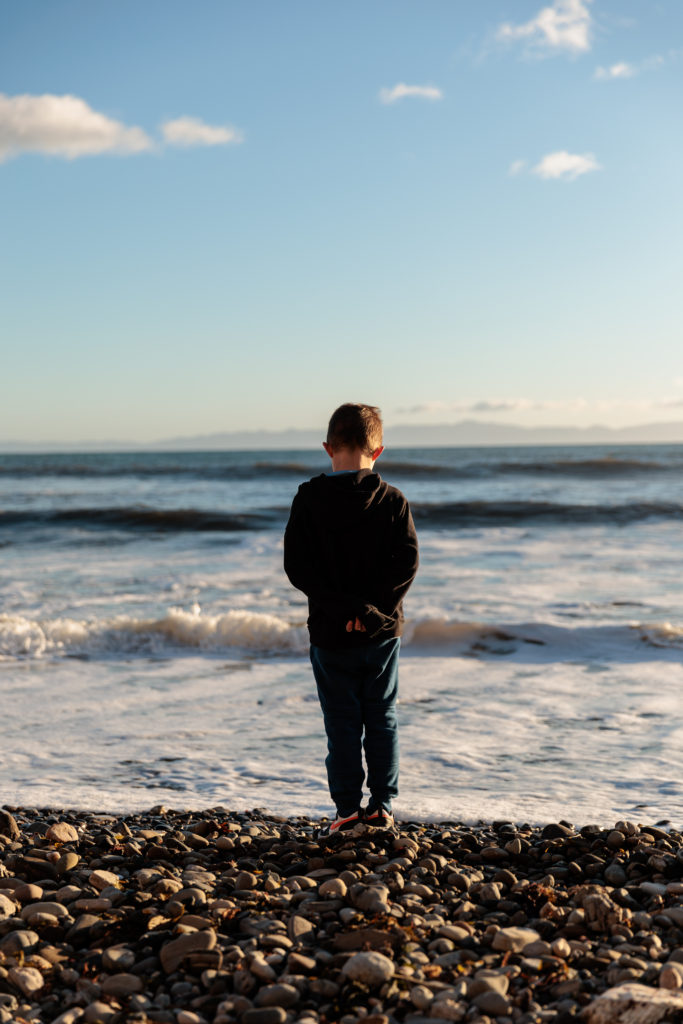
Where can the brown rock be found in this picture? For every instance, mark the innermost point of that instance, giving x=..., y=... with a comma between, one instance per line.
x=20, y=941
x=278, y=995
x=122, y=985
x=632, y=1003
x=371, y=969
x=28, y=893
x=8, y=907
x=514, y=939
x=67, y=862
x=27, y=979
x=102, y=879
x=8, y=826
x=48, y=907
x=118, y=958
x=174, y=952
x=62, y=832
x=300, y=930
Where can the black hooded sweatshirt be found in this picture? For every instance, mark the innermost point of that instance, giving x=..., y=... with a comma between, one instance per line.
x=351, y=547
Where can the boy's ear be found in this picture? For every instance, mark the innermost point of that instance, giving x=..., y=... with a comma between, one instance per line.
x=328, y=449
x=377, y=452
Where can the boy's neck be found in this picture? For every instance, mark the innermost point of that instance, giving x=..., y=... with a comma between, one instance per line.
x=349, y=460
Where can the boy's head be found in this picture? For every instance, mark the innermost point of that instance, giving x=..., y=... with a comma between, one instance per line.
x=355, y=428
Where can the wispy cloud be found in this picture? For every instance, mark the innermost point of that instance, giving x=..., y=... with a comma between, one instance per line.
x=528, y=408
x=621, y=70
x=401, y=91
x=565, y=166
x=63, y=126
x=190, y=131
x=516, y=167
x=565, y=25
x=490, y=406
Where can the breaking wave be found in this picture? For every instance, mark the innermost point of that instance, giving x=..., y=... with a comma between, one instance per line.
x=452, y=515
x=144, y=518
x=243, y=466
x=510, y=513
x=268, y=635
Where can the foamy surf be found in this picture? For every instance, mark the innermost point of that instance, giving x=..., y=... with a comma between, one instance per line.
x=269, y=635
x=124, y=634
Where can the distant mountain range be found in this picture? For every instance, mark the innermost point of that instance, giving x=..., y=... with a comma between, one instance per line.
x=463, y=433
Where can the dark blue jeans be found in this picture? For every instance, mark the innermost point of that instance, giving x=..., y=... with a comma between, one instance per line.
x=358, y=690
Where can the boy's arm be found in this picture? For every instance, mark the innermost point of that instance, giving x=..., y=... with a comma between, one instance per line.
x=298, y=548
x=401, y=573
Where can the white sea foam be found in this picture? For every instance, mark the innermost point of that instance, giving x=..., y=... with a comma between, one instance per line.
x=268, y=635
x=479, y=739
x=124, y=634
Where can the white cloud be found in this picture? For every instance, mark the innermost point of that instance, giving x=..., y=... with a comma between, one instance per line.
x=400, y=91
x=565, y=25
x=565, y=166
x=516, y=167
x=621, y=70
x=62, y=126
x=488, y=405
x=190, y=131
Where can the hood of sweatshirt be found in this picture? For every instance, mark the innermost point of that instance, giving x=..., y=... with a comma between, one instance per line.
x=348, y=495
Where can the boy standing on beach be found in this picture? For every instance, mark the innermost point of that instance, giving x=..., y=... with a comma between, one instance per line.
x=350, y=546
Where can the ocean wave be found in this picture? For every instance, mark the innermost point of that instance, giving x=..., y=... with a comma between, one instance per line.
x=267, y=635
x=460, y=514
x=142, y=517
x=198, y=468
x=597, y=468
x=177, y=630
x=241, y=466
x=454, y=515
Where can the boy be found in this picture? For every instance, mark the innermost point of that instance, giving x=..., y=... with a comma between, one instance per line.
x=350, y=546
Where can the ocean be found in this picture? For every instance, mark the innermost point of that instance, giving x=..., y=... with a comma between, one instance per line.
x=153, y=651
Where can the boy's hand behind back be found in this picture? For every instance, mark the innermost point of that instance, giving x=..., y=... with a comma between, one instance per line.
x=357, y=625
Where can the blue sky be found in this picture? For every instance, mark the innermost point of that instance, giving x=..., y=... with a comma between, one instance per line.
x=237, y=213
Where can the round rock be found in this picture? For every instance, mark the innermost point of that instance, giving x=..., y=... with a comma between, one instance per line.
x=265, y=1015
x=278, y=995
x=333, y=887
x=122, y=985
x=371, y=968
x=62, y=832
x=7, y=907
x=514, y=939
x=28, y=979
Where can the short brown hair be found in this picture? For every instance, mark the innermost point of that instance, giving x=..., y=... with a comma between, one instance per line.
x=355, y=426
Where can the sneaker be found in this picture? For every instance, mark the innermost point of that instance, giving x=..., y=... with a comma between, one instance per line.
x=379, y=817
x=341, y=824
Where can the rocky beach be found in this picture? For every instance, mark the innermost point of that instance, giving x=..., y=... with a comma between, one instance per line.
x=217, y=917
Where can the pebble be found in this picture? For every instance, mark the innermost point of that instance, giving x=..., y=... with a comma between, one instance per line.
x=173, y=953
x=371, y=968
x=278, y=995
x=102, y=879
x=224, y=917
x=28, y=979
x=265, y=1015
x=8, y=907
x=122, y=985
x=62, y=832
x=514, y=939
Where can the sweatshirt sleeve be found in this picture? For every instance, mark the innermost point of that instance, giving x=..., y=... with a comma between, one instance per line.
x=298, y=547
x=404, y=562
